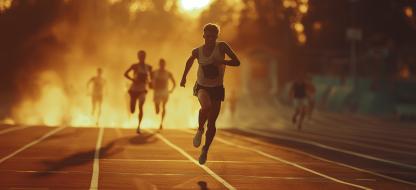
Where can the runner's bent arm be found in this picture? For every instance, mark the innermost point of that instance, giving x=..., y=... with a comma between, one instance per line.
x=151, y=77
x=291, y=93
x=173, y=81
x=234, y=59
x=188, y=66
x=126, y=74
x=89, y=82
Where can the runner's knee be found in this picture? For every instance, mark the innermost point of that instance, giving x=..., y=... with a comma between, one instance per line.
x=211, y=125
x=205, y=109
x=204, y=99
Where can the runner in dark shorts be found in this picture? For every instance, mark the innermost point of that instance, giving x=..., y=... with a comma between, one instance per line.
x=209, y=85
x=142, y=76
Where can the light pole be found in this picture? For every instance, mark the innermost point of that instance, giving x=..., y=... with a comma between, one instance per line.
x=354, y=35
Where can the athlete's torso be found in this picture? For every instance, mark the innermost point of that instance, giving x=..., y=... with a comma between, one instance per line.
x=161, y=79
x=299, y=89
x=210, y=74
x=141, y=75
x=97, y=85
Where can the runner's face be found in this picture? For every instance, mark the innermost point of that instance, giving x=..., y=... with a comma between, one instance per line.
x=210, y=37
x=162, y=64
x=141, y=56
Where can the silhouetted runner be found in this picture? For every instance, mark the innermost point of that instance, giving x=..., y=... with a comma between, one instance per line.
x=209, y=85
x=142, y=76
x=299, y=95
x=232, y=100
x=97, y=92
x=311, y=90
x=161, y=79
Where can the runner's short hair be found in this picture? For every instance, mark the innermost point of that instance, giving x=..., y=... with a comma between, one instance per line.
x=141, y=52
x=212, y=27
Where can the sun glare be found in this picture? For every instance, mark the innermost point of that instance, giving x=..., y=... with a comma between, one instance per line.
x=193, y=5
x=5, y=4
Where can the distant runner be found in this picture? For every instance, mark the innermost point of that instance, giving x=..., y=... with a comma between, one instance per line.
x=209, y=85
x=97, y=92
x=142, y=75
x=298, y=94
x=233, y=103
x=311, y=90
x=161, y=79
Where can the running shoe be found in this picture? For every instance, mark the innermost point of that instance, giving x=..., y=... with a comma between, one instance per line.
x=198, y=137
x=203, y=156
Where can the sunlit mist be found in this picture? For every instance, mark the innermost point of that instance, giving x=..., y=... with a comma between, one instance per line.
x=59, y=93
x=300, y=8
x=5, y=4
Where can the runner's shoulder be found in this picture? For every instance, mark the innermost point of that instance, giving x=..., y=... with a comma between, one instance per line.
x=148, y=66
x=223, y=45
x=134, y=65
x=195, y=52
x=156, y=72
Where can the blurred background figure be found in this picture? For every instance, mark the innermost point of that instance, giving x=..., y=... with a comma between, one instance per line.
x=142, y=77
x=299, y=96
x=97, y=91
x=161, y=93
x=232, y=104
x=311, y=90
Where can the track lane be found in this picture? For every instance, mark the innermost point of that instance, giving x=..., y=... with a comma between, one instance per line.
x=61, y=161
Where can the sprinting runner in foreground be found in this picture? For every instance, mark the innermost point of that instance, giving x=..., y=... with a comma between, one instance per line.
x=97, y=83
x=209, y=85
x=298, y=94
x=161, y=79
x=142, y=76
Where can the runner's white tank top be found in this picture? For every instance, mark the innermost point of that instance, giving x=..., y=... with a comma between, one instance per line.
x=210, y=75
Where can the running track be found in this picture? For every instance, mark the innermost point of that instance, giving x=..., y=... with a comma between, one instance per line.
x=110, y=158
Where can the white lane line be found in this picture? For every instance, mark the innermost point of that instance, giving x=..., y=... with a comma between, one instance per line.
x=8, y=130
x=293, y=164
x=178, y=174
x=31, y=144
x=290, y=163
x=322, y=159
x=408, y=166
x=157, y=160
x=209, y=171
x=96, y=164
x=351, y=142
x=350, y=138
x=27, y=188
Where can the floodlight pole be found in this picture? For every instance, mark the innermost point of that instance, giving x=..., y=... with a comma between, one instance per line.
x=354, y=35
